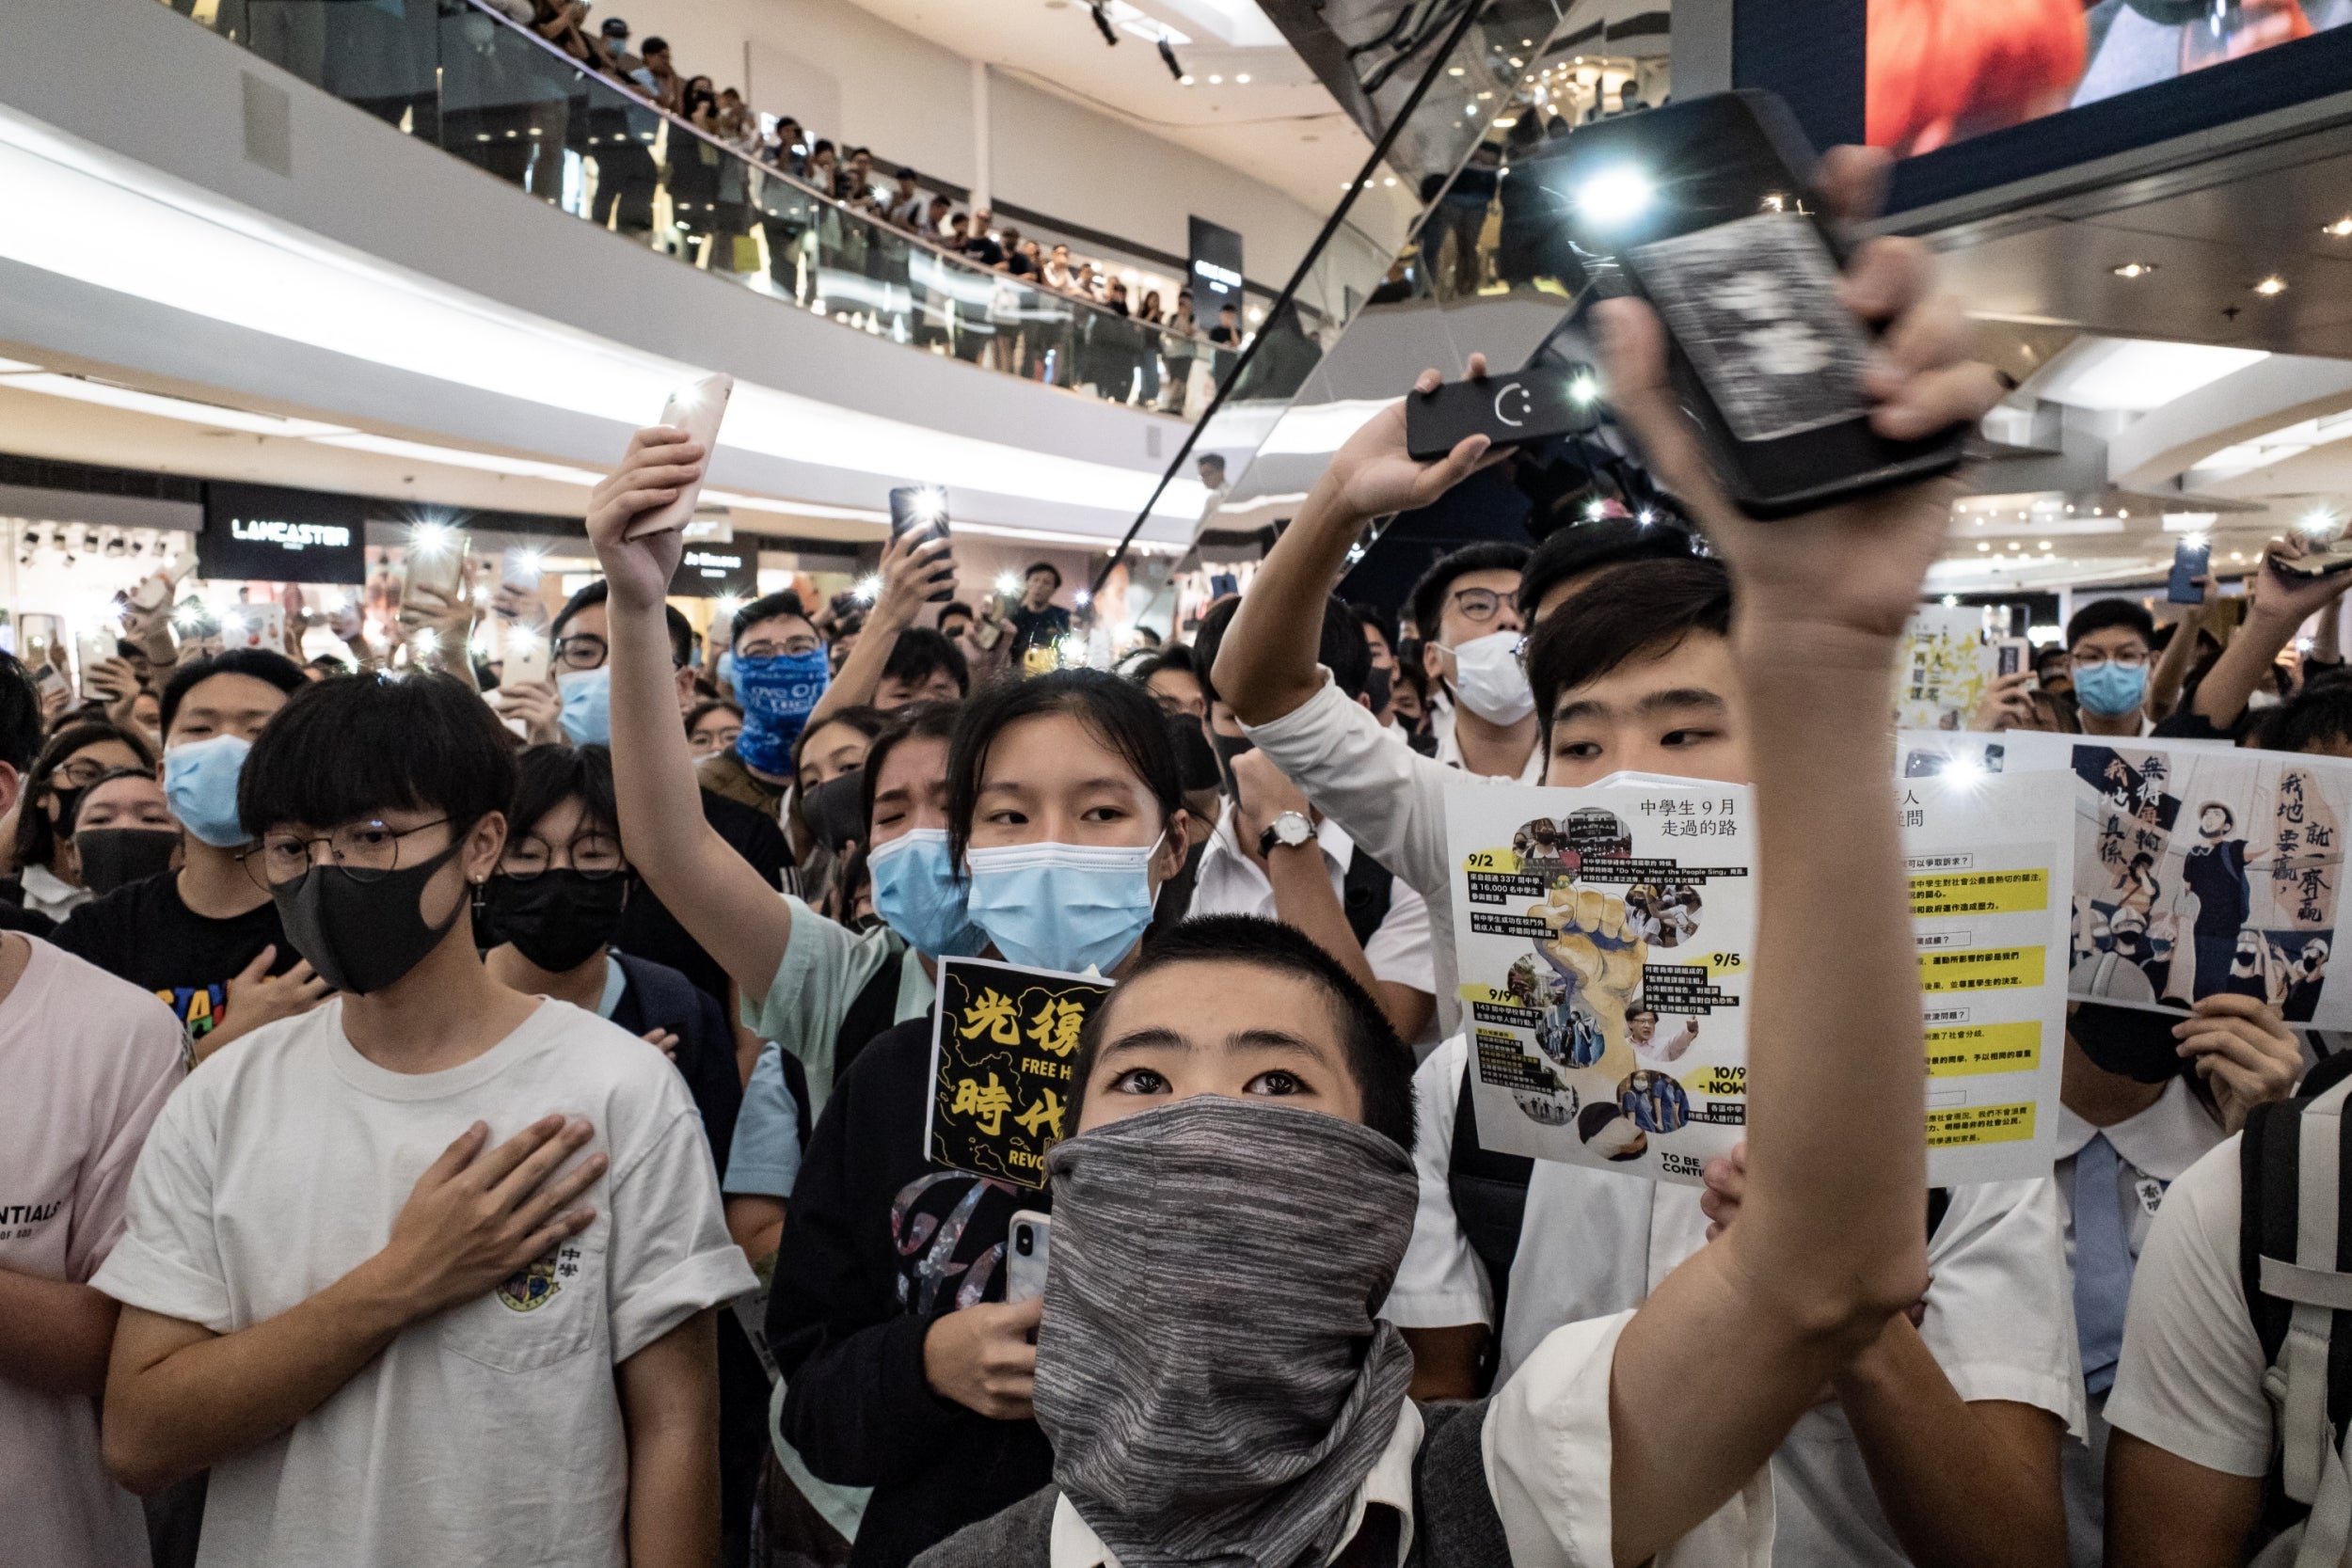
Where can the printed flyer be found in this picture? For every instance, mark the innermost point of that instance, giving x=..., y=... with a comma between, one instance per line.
x=1606, y=937
x=1942, y=669
x=1002, y=1043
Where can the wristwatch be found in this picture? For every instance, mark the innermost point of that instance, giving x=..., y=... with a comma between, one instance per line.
x=1288, y=830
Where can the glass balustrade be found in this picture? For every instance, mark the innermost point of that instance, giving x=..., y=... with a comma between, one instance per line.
x=497, y=95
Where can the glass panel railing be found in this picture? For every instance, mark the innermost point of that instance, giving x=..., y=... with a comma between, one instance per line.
x=497, y=95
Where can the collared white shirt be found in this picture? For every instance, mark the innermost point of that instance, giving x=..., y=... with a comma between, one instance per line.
x=2153, y=1150
x=1442, y=719
x=1229, y=881
x=47, y=892
x=1546, y=1454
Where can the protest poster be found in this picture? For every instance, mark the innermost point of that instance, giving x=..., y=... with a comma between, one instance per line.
x=1606, y=937
x=1003, y=1040
x=1943, y=665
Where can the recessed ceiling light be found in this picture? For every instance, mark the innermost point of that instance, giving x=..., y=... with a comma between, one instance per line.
x=1215, y=80
x=2134, y=269
x=1389, y=181
x=2270, y=286
x=1185, y=81
x=1982, y=546
x=2341, y=228
x=1243, y=78
x=1453, y=71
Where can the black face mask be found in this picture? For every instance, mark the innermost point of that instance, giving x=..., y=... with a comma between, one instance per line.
x=557, y=919
x=1197, y=765
x=1227, y=747
x=363, y=936
x=835, y=810
x=2131, y=1041
x=112, y=856
x=1378, y=688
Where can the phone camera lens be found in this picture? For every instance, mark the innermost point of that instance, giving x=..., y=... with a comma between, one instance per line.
x=1026, y=1240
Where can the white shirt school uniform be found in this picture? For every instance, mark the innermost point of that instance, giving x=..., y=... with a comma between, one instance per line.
x=1441, y=724
x=491, y=1431
x=2152, y=1150
x=1594, y=1243
x=1389, y=799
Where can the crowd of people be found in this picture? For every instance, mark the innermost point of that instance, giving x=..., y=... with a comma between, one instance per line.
x=462, y=1130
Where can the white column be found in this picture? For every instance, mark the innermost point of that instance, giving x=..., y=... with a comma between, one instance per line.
x=979, y=136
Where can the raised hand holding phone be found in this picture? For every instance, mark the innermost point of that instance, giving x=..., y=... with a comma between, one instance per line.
x=697, y=409
x=660, y=465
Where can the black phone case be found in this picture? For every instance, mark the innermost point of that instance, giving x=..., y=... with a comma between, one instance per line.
x=1533, y=405
x=903, y=521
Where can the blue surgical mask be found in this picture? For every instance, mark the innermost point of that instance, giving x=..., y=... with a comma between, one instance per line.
x=2110, y=689
x=200, y=787
x=726, y=666
x=1063, y=906
x=587, y=706
x=916, y=890
x=778, y=694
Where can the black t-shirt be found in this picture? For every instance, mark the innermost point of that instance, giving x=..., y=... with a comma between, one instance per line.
x=649, y=931
x=144, y=933
x=1032, y=626
x=878, y=1241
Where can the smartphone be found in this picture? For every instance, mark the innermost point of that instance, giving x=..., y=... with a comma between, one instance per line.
x=2324, y=561
x=2013, y=656
x=442, y=569
x=521, y=567
x=523, y=654
x=38, y=634
x=1701, y=207
x=1032, y=1238
x=922, y=510
x=254, y=625
x=695, y=408
x=1533, y=405
x=156, y=589
x=2189, y=558
x=92, y=649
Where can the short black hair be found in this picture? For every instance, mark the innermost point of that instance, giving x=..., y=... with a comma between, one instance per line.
x=1428, y=596
x=656, y=42
x=768, y=607
x=351, y=746
x=934, y=720
x=1035, y=567
x=1381, y=1064
x=20, y=713
x=1372, y=617
x=1343, y=650
x=36, y=842
x=261, y=664
x=957, y=607
x=1636, y=609
x=1119, y=713
x=1582, y=547
x=1175, y=656
x=868, y=722
x=681, y=629
x=547, y=776
x=1207, y=636
x=2319, y=713
x=921, y=653
x=2100, y=614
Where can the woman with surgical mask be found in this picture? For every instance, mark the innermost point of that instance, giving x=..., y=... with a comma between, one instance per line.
x=75, y=758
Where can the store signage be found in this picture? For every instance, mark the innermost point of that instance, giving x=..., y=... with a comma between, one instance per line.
x=716, y=571
x=1215, y=269
x=266, y=534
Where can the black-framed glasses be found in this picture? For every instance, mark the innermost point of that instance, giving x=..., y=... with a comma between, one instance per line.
x=595, y=856
x=1477, y=604
x=364, y=850
x=582, y=650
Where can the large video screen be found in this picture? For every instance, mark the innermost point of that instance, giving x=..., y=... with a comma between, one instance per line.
x=1941, y=71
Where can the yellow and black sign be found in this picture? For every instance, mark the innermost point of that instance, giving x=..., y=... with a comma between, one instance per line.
x=1003, y=1042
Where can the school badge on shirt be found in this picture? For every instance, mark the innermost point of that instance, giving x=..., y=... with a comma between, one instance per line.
x=537, y=1284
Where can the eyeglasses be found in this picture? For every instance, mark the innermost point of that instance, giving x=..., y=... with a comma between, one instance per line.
x=595, y=856
x=790, y=648
x=365, y=850
x=79, y=773
x=1477, y=604
x=582, y=651
x=2122, y=661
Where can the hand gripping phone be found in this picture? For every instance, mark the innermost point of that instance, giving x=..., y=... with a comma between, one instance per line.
x=922, y=511
x=2191, y=558
x=1533, y=405
x=697, y=409
x=1702, y=208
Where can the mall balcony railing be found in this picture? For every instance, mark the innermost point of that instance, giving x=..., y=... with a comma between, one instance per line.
x=497, y=95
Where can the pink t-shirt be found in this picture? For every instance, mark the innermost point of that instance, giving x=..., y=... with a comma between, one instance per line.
x=86, y=1062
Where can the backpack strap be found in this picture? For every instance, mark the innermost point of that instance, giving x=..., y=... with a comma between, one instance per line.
x=1490, y=1193
x=1939, y=1205
x=1366, y=891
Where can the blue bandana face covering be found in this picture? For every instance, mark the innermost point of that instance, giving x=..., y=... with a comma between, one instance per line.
x=916, y=890
x=2109, y=690
x=1063, y=907
x=587, y=706
x=778, y=694
x=200, y=787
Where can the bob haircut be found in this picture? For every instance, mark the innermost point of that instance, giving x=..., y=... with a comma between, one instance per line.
x=351, y=747
x=934, y=720
x=547, y=776
x=1119, y=713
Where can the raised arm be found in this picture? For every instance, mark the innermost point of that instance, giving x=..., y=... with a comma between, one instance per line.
x=2172, y=670
x=1736, y=1343
x=2281, y=605
x=911, y=573
x=715, y=894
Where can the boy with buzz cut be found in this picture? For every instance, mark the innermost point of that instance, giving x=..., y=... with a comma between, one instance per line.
x=424, y=1275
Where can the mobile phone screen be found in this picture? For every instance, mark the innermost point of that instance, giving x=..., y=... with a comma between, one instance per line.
x=2190, y=560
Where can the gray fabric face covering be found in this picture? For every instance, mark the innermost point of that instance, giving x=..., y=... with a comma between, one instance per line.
x=1209, y=1367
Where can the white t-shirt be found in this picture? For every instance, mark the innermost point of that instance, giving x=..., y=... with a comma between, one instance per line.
x=2190, y=1381
x=1229, y=882
x=88, y=1061
x=490, y=1434
x=1999, y=1321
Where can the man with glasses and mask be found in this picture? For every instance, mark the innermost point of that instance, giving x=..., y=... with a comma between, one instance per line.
x=1467, y=609
x=206, y=938
x=2108, y=644
x=426, y=1275
x=777, y=667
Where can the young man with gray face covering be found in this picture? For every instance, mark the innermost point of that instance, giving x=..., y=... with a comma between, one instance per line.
x=1207, y=1254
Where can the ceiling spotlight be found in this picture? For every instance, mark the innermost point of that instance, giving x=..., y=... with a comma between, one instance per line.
x=2134, y=269
x=1243, y=78
x=1186, y=81
x=2271, y=287
x=1101, y=11
x=2341, y=228
x=1167, y=58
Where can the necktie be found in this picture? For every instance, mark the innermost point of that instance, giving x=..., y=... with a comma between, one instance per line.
x=2102, y=1263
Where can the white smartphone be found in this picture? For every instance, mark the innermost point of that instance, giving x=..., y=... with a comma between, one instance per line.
x=440, y=568
x=92, y=649
x=695, y=408
x=1029, y=1245
x=254, y=625
x=155, y=590
x=521, y=567
x=524, y=655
